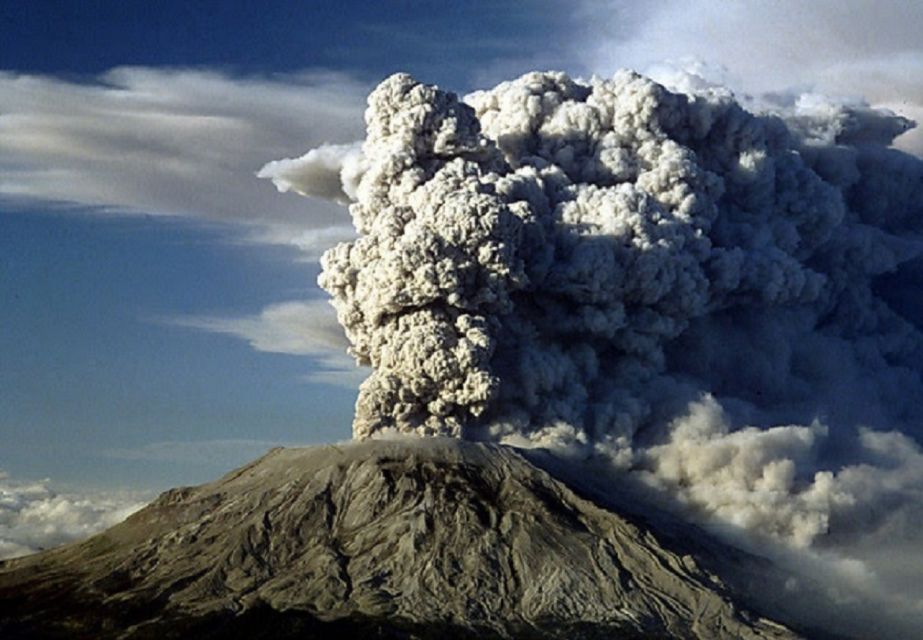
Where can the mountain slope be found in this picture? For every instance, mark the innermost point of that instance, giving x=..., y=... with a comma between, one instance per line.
x=404, y=538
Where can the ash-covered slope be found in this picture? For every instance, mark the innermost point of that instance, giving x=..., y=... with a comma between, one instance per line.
x=402, y=538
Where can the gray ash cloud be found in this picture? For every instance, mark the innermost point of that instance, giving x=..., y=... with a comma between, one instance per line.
x=721, y=303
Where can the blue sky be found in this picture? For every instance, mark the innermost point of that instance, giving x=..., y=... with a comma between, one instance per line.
x=445, y=42
x=114, y=369
x=160, y=320
x=91, y=368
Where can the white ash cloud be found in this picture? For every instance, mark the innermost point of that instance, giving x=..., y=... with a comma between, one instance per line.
x=760, y=479
x=33, y=516
x=720, y=302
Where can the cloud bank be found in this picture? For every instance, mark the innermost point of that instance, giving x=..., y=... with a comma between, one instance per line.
x=713, y=300
x=34, y=517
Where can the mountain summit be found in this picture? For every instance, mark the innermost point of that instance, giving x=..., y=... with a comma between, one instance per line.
x=402, y=538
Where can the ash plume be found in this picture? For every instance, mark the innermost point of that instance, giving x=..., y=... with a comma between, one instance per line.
x=721, y=303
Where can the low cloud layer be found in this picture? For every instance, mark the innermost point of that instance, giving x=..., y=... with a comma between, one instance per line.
x=33, y=516
x=711, y=299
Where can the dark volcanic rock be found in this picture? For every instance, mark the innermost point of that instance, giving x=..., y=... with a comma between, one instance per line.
x=392, y=539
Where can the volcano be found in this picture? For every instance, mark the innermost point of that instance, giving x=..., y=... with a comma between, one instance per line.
x=408, y=538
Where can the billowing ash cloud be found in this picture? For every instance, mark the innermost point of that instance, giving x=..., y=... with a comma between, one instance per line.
x=723, y=303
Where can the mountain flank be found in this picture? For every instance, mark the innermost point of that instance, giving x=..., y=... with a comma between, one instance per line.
x=409, y=538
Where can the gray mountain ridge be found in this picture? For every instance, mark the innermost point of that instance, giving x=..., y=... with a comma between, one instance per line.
x=383, y=538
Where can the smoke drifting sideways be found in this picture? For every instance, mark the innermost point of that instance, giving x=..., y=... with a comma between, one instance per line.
x=723, y=304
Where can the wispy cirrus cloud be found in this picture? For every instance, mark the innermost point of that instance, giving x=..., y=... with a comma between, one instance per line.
x=303, y=328
x=174, y=142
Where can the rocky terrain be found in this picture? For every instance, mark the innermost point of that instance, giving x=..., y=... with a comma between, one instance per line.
x=395, y=539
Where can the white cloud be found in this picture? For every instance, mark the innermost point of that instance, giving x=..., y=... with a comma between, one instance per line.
x=305, y=328
x=33, y=516
x=174, y=142
x=330, y=171
x=841, y=48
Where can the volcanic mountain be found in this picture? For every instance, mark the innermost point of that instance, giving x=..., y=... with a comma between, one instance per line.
x=396, y=539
